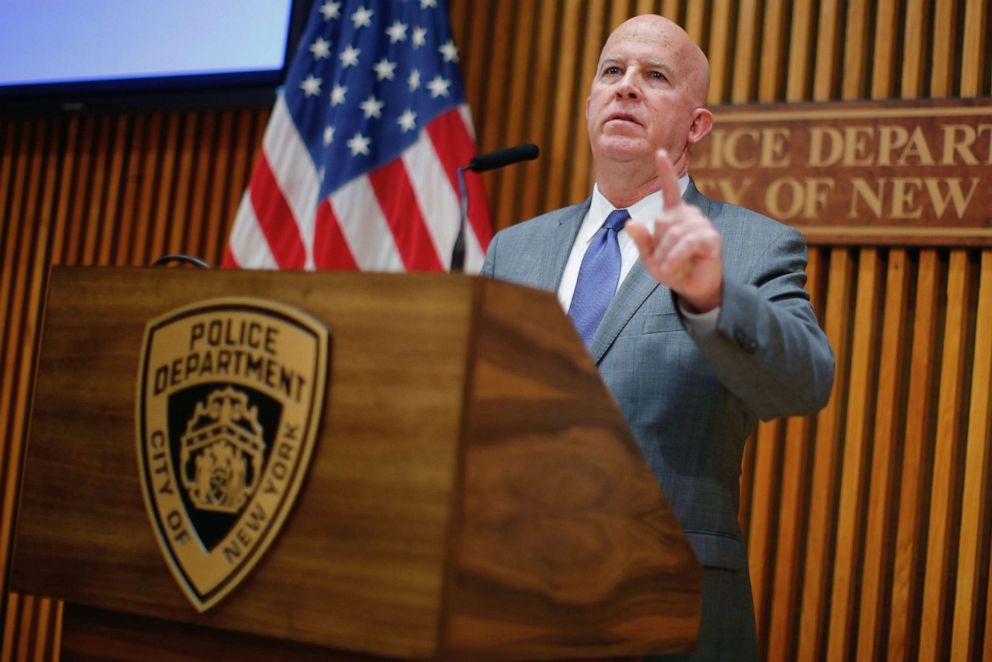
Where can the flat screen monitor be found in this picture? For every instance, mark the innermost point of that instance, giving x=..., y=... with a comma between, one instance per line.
x=75, y=49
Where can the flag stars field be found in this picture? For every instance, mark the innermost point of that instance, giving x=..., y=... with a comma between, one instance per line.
x=438, y=86
x=320, y=48
x=397, y=32
x=408, y=120
x=449, y=51
x=330, y=10
x=384, y=69
x=372, y=107
x=310, y=86
x=359, y=156
x=359, y=144
x=349, y=57
x=362, y=18
x=419, y=37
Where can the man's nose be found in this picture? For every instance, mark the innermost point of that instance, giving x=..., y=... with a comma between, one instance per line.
x=626, y=88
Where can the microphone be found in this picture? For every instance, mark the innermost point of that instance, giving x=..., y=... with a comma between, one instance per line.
x=503, y=157
x=182, y=259
x=481, y=163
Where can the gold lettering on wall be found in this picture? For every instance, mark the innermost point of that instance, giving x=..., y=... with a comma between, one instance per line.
x=911, y=172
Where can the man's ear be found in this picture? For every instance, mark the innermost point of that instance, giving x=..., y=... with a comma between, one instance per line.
x=588, y=103
x=702, y=122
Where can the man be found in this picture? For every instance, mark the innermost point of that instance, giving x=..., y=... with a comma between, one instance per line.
x=704, y=325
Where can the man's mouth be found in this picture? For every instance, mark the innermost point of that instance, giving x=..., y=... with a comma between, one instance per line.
x=622, y=117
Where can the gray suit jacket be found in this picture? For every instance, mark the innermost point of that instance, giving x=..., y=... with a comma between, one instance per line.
x=691, y=401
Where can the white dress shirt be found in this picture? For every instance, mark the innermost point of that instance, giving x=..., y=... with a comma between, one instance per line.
x=643, y=211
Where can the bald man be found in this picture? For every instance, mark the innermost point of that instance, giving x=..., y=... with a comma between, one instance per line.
x=694, y=310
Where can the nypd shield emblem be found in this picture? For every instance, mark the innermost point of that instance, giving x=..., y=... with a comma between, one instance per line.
x=229, y=397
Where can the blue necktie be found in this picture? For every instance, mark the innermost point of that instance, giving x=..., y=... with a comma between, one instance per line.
x=598, y=277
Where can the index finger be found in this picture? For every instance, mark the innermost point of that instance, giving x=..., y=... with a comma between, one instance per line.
x=670, y=194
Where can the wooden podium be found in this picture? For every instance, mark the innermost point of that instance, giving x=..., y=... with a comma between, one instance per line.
x=474, y=492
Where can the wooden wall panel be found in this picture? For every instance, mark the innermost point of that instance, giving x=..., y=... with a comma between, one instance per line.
x=868, y=525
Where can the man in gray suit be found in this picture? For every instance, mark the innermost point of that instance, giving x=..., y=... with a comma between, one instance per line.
x=699, y=323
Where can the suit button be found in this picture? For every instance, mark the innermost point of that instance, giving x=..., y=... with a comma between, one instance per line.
x=746, y=342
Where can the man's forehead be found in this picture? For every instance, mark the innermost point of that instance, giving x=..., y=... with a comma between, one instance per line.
x=643, y=42
x=650, y=60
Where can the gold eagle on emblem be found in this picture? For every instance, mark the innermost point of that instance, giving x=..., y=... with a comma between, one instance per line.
x=224, y=441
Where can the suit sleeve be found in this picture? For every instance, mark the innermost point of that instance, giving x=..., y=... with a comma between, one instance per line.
x=768, y=348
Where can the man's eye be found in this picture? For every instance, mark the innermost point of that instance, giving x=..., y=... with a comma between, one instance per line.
x=656, y=75
x=610, y=71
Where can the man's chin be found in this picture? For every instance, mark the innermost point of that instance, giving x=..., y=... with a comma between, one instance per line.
x=618, y=148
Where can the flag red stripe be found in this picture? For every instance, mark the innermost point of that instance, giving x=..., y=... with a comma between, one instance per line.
x=455, y=148
x=228, y=261
x=399, y=205
x=330, y=249
x=275, y=217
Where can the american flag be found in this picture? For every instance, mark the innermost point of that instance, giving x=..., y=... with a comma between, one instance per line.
x=358, y=162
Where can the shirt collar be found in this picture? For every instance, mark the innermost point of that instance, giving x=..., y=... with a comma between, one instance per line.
x=644, y=210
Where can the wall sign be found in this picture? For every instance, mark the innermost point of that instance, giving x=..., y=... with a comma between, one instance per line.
x=917, y=172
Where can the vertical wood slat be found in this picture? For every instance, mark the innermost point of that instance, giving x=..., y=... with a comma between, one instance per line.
x=497, y=100
x=531, y=202
x=911, y=56
x=855, y=62
x=761, y=527
x=695, y=20
x=943, y=498
x=517, y=123
x=828, y=48
x=564, y=107
x=11, y=291
x=95, y=186
x=596, y=29
x=975, y=501
x=745, y=53
x=719, y=50
x=799, y=51
x=843, y=617
x=975, y=48
x=772, y=72
x=915, y=20
x=219, y=188
x=942, y=75
x=909, y=547
x=830, y=423
x=878, y=530
x=884, y=57
x=112, y=220
x=779, y=641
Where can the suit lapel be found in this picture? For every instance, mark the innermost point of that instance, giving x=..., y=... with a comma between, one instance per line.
x=558, y=245
x=637, y=287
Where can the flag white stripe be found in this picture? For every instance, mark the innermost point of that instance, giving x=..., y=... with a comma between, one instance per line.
x=293, y=170
x=364, y=227
x=438, y=202
x=248, y=243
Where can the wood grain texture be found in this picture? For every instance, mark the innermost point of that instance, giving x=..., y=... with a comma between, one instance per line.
x=565, y=546
x=972, y=541
x=826, y=456
x=763, y=514
x=886, y=442
x=368, y=591
x=856, y=460
x=944, y=497
x=563, y=536
x=70, y=211
x=910, y=544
